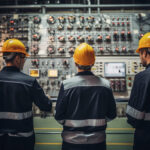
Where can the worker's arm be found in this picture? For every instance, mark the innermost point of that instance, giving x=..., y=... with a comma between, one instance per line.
x=138, y=102
x=40, y=99
x=61, y=106
x=111, y=109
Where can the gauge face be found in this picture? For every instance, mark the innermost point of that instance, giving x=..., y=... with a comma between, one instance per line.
x=145, y=28
x=90, y=19
x=34, y=72
x=52, y=73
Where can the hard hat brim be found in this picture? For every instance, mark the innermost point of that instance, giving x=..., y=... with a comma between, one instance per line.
x=27, y=55
x=138, y=50
x=3, y=51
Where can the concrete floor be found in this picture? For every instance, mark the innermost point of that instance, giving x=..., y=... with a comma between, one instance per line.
x=48, y=134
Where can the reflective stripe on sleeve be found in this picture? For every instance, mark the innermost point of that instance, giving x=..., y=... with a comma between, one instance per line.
x=135, y=113
x=85, y=123
x=61, y=121
x=15, y=116
x=78, y=137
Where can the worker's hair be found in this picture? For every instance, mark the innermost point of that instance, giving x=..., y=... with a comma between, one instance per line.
x=9, y=56
x=147, y=50
x=86, y=68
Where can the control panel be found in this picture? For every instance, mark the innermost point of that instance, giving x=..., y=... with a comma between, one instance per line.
x=113, y=34
x=1, y=63
x=50, y=72
x=51, y=39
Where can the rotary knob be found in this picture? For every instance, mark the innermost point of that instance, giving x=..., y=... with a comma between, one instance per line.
x=61, y=39
x=99, y=38
x=90, y=38
x=71, y=50
x=34, y=50
x=71, y=39
x=51, y=20
x=123, y=37
x=71, y=19
x=36, y=36
x=60, y=27
x=80, y=26
x=70, y=27
x=36, y=19
x=98, y=26
x=80, y=38
x=61, y=50
x=90, y=19
x=35, y=62
x=116, y=36
x=81, y=19
x=108, y=38
x=88, y=27
x=61, y=19
x=50, y=50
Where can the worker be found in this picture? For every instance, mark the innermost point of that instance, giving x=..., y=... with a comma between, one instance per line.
x=84, y=105
x=138, y=108
x=17, y=93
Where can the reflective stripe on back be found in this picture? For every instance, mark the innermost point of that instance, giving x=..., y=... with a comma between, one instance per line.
x=86, y=80
x=15, y=116
x=19, y=134
x=85, y=123
x=78, y=137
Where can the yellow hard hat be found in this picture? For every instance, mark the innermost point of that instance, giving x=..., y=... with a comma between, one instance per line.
x=144, y=42
x=14, y=45
x=84, y=55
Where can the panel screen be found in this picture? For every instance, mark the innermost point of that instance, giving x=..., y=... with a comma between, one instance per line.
x=114, y=69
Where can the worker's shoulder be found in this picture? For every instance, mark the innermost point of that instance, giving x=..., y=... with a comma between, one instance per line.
x=143, y=74
x=72, y=80
x=27, y=78
x=86, y=80
x=105, y=82
x=16, y=77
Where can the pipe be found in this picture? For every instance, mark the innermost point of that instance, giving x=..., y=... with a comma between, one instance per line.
x=98, y=9
x=89, y=4
x=84, y=2
x=43, y=10
x=77, y=6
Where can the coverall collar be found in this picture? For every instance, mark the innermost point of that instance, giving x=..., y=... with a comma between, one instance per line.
x=85, y=73
x=148, y=66
x=10, y=68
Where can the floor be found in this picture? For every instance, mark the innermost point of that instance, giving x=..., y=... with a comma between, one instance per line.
x=48, y=134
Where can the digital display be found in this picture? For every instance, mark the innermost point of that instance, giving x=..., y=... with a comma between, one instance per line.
x=52, y=73
x=114, y=69
x=34, y=72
